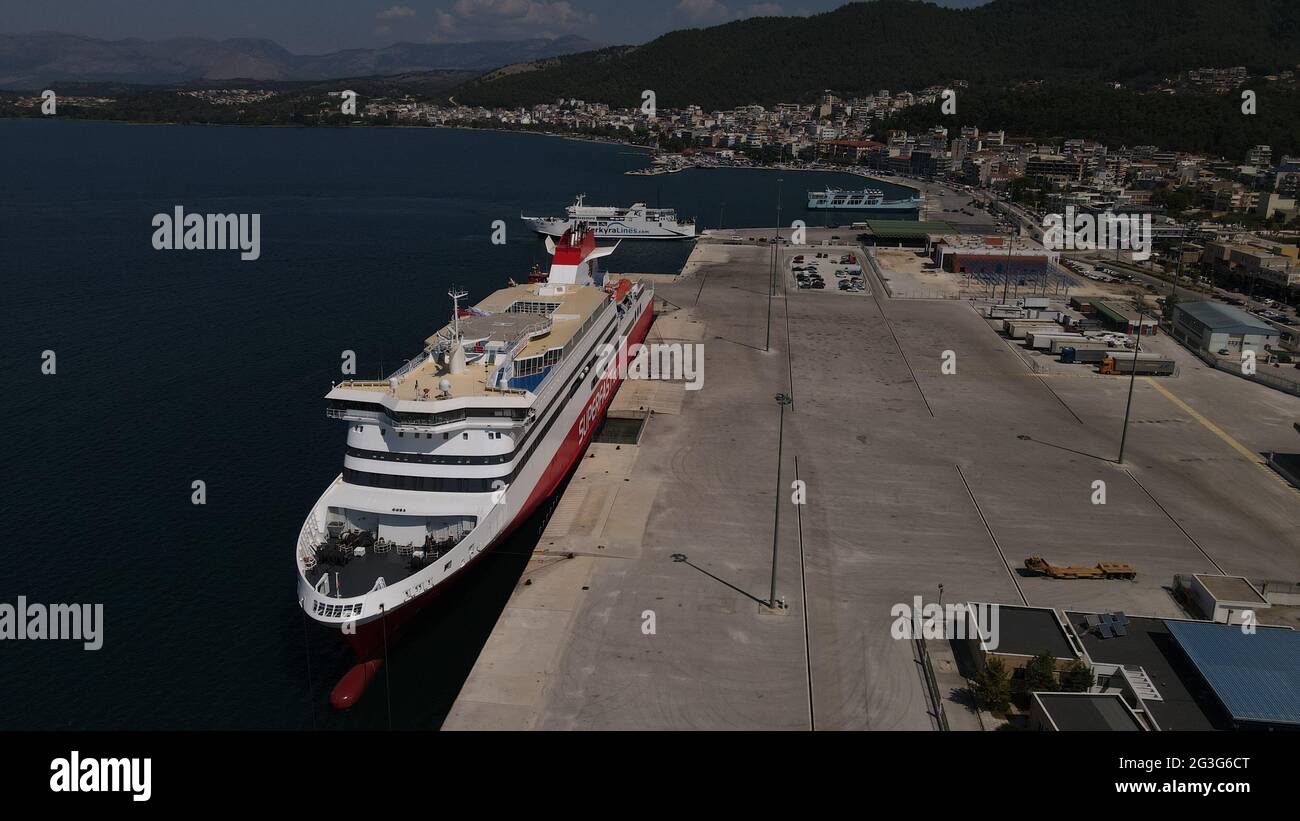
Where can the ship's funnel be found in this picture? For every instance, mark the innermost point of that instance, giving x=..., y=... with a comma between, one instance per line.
x=574, y=256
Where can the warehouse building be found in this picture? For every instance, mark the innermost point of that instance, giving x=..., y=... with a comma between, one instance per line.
x=1123, y=318
x=1179, y=674
x=1086, y=712
x=902, y=233
x=1215, y=328
x=993, y=256
x=1255, y=676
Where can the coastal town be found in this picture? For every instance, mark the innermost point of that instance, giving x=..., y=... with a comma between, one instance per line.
x=1227, y=220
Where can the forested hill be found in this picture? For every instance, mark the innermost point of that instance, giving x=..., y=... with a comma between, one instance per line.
x=900, y=44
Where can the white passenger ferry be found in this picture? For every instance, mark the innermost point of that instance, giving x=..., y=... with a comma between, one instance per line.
x=634, y=222
x=868, y=199
x=452, y=452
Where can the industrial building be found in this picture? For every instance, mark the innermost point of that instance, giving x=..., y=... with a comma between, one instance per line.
x=1122, y=318
x=902, y=233
x=1153, y=673
x=1180, y=674
x=1072, y=712
x=1215, y=328
x=1224, y=599
x=993, y=256
x=1255, y=676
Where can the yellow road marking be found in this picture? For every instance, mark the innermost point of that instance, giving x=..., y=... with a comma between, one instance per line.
x=1221, y=433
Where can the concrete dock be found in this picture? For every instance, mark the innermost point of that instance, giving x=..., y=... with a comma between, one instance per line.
x=643, y=606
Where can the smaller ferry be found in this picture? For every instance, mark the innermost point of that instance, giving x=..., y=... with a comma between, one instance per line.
x=634, y=222
x=868, y=199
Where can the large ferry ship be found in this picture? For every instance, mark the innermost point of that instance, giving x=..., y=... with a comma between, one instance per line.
x=634, y=222
x=868, y=199
x=453, y=451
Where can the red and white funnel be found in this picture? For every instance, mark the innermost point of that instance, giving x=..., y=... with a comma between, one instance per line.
x=573, y=260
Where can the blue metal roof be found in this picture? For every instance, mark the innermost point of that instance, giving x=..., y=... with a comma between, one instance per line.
x=1225, y=318
x=1256, y=676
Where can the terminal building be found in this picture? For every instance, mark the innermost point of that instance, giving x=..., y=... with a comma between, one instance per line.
x=1214, y=328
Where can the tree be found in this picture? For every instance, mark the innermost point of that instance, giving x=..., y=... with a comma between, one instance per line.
x=993, y=686
x=1040, y=673
x=1077, y=677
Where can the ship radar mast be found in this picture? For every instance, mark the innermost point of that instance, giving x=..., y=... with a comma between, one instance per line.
x=456, y=356
x=456, y=294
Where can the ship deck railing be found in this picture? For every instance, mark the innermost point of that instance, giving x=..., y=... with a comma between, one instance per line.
x=357, y=575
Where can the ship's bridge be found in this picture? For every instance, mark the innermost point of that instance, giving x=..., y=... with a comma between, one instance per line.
x=508, y=344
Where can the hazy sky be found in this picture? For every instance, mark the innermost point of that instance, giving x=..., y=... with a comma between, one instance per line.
x=313, y=26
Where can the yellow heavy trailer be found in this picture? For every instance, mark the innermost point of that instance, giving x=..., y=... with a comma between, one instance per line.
x=1102, y=570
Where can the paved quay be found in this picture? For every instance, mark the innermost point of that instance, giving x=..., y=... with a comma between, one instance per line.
x=915, y=478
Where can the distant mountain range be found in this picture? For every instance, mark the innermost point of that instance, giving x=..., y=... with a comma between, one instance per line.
x=33, y=61
x=897, y=44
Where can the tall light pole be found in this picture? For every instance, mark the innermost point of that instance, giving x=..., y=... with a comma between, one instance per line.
x=781, y=400
x=1006, y=286
x=1132, y=378
x=771, y=279
x=1178, y=270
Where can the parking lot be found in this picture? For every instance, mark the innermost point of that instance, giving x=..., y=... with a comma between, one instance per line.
x=829, y=268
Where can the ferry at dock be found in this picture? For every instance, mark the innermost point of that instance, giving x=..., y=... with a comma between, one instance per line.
x=867, y=199
x=456, y=449
x=634, y=222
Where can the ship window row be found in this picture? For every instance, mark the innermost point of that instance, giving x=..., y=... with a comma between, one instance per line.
x=336, y=611
x=401, y=418
x=429, y=458
x=434, y=484
x=526, y=306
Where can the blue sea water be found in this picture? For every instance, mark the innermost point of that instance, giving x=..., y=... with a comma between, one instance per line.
x=177, y=366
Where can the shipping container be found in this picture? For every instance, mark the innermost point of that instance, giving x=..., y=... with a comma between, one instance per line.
x=1042, y=340
x=1092, y=356
x=1146, y=365
x=1081, y=344
x=1018, y=328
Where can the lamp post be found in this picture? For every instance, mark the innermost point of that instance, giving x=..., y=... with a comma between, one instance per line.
x=771, y=279
x=1132, y=378
x=1178, y=269
x=781, y=400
